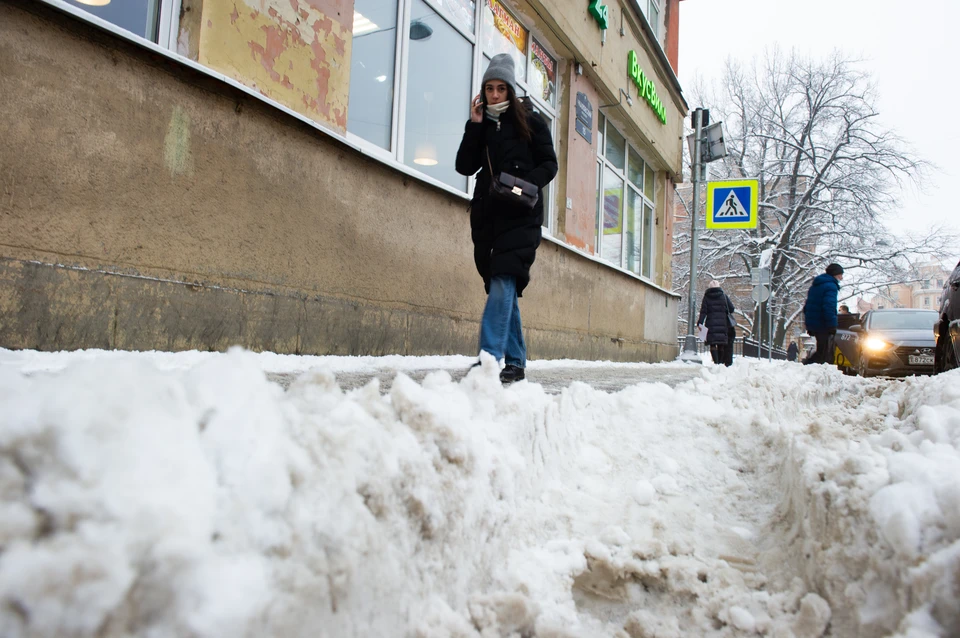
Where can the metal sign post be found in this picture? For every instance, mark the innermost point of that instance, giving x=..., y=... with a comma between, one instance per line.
x=760, y=278
x=690, y=342
x=769, y=334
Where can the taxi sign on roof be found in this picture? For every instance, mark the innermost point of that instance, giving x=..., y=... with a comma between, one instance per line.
x=732, y=204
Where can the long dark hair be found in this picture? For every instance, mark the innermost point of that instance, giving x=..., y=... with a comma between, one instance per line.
x=518, y=110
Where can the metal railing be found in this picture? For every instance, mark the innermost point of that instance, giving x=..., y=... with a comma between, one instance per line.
x=745, y=348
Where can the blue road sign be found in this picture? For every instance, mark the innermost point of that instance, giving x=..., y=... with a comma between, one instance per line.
x=732, y=204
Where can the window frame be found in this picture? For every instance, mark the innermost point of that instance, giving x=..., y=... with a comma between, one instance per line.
x=401, y=72
x=654, y=25
x=647, y=243
x=369, y=147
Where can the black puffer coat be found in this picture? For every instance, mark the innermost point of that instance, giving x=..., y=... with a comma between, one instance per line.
x=505, y=239
x=714, y=314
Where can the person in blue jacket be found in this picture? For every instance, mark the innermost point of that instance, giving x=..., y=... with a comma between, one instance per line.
x=820, y=313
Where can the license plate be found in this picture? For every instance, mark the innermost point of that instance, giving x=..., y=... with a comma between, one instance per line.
x=920, y=360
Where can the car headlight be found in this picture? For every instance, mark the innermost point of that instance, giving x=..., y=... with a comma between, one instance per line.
x=876, y=344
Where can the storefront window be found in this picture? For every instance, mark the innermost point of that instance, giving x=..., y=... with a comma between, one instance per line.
x=543, y=74
x=138, y=16
x=616, y=148
x=372, y=71
x=625, y=211
x=649, y=246
x=610, y=248
x=548, y=189
x=438, y=95
x=635, y=173
x=634, y=231
x=601, y=127
x=502, y=33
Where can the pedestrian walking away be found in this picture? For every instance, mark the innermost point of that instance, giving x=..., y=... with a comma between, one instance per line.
x=506, y=138
x=820, y=313
x=792, y=351
x=716, y=310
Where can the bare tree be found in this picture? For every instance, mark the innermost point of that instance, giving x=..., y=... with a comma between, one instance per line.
x=828, y=171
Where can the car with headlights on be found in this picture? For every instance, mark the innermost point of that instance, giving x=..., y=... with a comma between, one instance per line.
x=894, y=342
x=948, y=325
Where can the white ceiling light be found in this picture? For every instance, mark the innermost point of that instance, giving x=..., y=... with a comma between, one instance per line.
x=425, y=155
x=361, y=24
x=381, y=78
x=95, y=3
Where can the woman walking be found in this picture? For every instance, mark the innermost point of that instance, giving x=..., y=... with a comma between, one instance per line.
x=504, y=136
x=715, y=311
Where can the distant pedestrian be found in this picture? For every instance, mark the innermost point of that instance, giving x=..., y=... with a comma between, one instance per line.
x=820, y=313
x=505, y=136
x=792, y=351
x=715, y=313
x=844, y=309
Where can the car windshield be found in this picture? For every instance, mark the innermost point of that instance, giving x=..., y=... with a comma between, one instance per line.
x=917, y=320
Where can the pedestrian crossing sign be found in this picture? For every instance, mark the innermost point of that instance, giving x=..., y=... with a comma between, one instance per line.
x=732, y=204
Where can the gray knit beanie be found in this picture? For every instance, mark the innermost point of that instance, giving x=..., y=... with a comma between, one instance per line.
x=501, y=68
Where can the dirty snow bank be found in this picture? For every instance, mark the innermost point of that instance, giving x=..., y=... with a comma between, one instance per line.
x=208, y=502
x=870, y=512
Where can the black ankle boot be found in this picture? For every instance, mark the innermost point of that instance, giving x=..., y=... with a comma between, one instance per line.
x=511, y=373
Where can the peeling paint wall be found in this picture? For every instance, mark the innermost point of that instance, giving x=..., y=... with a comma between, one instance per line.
x=580, y=221
x=296, y=52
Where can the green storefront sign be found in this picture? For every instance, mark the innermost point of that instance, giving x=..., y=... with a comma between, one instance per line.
x=645, y=86
x=600, y=13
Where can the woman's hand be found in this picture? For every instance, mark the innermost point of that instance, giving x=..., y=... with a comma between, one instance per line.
x=476, y=109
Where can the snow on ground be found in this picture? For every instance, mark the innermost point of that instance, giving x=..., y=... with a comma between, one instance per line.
x=186, y=495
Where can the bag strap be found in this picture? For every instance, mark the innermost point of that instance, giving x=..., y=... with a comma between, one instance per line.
x=489, y=164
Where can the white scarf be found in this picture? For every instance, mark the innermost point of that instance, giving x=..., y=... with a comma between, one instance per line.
x=495, y=110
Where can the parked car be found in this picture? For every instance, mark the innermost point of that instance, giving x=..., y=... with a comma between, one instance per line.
x=948, y=325
x=890, y=342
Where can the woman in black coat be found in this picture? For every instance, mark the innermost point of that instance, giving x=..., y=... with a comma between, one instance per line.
x=505, y=236
x=792, y=351
x=715, y=311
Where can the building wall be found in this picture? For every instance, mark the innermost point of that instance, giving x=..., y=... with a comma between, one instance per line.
x=145, y=205
x=297, y=53
x=579, y=221
x=672, y=44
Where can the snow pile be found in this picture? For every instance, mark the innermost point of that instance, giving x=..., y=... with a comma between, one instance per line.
x=871, y=485
x=764, y=499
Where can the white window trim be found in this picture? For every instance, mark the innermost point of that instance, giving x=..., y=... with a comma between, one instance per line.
x=168, y=28
x=433, y=4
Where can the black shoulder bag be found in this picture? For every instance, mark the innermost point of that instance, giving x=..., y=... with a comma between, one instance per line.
x=507, y=188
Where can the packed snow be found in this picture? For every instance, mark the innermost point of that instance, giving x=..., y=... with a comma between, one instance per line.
x=153, y=494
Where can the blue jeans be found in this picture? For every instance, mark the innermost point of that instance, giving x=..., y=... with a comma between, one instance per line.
x=501, y=333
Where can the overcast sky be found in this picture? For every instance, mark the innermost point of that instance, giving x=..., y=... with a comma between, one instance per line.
x=911, y=48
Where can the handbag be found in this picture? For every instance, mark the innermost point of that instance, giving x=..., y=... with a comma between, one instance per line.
x=731, y=320
x=507, y=188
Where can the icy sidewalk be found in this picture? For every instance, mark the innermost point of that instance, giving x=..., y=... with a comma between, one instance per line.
x=145, y=496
